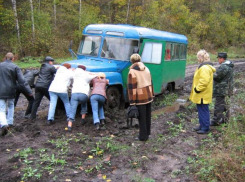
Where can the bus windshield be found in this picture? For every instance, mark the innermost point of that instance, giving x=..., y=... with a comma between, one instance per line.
x=90, y=45
x=118, y=48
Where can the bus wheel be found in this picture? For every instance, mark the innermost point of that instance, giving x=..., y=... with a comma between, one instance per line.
x=170, y=88
x=113, y=97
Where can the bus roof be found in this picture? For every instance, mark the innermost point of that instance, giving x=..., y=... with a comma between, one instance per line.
x=135, y=32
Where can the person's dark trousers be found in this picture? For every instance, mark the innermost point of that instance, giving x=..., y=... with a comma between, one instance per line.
x=144, y=121
x=219, y=108
x=39, y=93
x=204, y=116
x=28, y=97
x=17, y=95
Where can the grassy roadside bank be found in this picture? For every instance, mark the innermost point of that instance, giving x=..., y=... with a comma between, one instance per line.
x=221, y=156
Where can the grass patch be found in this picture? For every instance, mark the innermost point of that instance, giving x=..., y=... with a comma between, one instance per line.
x=35, y=62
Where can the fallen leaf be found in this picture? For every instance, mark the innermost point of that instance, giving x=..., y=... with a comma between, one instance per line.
x=7, y=150
x=161, y=157
x=100, y=176
x=17, y=150
x=104, y=177
x=81, y=168
x=108, y=180
x=84, y=152
x=100, y=152
x=144, y=157
x=112, y=136
x=90, y=156
x=184, y=131
x=68, y=180
x=107, y=159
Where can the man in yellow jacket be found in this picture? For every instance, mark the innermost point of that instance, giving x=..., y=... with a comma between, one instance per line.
x=202, y=90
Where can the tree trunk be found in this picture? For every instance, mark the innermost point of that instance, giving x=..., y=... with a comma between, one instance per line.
x=17, y=24
x=54, y=13
x=80, y=14
x=32, y=20
x=128, y=11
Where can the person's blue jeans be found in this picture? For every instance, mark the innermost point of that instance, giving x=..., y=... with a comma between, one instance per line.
x=204, y=116
x=76, y=98
x=97, y=103
x=9, y=119
x=53, y=102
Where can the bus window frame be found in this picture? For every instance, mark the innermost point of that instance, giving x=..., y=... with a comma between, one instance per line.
x=81, y=45
x=151, y=41
x=169, y=52
x=116, y=38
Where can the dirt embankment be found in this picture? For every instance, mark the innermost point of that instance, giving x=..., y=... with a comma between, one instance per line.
x=34, y=151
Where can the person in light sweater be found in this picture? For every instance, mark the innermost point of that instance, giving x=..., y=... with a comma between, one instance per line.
x=80, y=93
x=58, y=89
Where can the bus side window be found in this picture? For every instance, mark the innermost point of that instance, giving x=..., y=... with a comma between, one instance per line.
x=152, y=53
x=168, y=52
x=176, y=52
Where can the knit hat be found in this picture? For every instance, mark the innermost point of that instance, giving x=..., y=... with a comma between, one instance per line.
x=82, y=67
x=67, y=65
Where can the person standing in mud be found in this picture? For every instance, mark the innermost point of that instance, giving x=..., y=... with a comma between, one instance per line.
x=10, y=75
x=223, y=89
x=29, y=76
x=46, y=76
x=202, y=90
x=140, y=93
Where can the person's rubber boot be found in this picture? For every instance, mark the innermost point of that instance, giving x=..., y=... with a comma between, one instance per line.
x=49, y=122
x=97, y=126
x=102, y=122
x=203, y=131
x=197, y=128
x=213, y=123
x=4, y=130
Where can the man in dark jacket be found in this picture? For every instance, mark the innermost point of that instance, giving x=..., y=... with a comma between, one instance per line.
x=44, y=80
x=29, y=76
x=10, y=74
x=223, y=89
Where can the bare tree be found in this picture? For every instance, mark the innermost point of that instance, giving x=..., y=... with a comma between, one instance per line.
x=128, y=11
x=32, y=20
x=17, y=23
x=54, y=13
x=80, y=13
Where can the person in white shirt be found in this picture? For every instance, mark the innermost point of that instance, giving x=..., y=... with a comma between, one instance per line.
x=58, y=89
x=80, y=93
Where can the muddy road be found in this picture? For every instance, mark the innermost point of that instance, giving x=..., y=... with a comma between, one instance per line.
x=35, y=151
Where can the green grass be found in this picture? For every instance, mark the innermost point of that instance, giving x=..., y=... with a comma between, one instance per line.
x=224, y=159
x=35, y=62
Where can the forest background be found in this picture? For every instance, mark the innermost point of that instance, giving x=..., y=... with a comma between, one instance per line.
x=45, y=27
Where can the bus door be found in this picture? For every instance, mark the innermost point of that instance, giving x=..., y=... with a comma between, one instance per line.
x=152, y=55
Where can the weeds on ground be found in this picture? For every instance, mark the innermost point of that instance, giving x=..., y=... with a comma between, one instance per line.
x=224, y=160
x=168, y=100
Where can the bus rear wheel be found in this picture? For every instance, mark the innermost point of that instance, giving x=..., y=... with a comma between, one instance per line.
x=113, y=98
x=170, y=87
